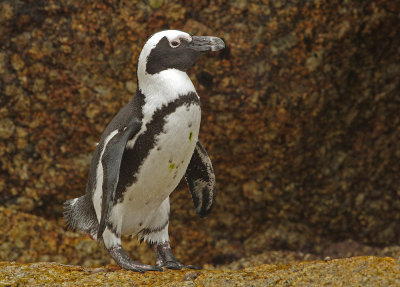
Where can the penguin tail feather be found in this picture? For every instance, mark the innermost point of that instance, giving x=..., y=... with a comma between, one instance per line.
x=79, y=214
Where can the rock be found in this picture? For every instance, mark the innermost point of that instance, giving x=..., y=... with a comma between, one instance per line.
x=300, y=118
x=3, y=64
x=7, y=128
x=16, y=62
x=155, y=4
x=6, y=12
x=357, y=271
x=28, y=238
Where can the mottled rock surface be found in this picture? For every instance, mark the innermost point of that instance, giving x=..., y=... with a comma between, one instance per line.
x=29, y=238
x=358, y=271
x=300, y=117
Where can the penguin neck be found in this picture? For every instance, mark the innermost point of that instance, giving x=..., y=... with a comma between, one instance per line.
x=169, y=83
x=161, y=88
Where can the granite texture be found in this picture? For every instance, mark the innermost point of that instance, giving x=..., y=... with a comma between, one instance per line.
x=300, y=116
x=29, y=238
x=358, y=271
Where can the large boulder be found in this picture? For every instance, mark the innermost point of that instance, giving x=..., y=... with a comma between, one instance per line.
x=300, y=114
x=357, y=271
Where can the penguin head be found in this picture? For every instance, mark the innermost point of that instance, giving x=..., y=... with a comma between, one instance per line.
x=173, y=49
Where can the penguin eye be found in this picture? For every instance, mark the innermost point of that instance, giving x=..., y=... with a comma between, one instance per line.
x=174, y=43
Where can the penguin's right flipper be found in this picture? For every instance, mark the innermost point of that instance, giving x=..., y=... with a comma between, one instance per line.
x=200, y=178
x=111, y=162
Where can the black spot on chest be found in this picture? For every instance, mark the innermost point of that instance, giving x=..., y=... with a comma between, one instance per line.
x=133, y=158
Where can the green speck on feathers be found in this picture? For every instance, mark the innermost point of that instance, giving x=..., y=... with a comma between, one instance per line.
x=190, y=136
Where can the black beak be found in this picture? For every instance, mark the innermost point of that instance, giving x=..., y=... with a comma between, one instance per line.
x=206, y=43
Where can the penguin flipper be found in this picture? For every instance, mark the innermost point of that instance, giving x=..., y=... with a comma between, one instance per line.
x=200, y=178
x=111, y=162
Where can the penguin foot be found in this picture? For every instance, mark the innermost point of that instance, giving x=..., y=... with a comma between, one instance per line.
x=175, y=265
x=195, y=267
x=124, y=261
x=165, y=258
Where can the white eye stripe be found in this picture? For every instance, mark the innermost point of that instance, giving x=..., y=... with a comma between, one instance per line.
x=176, y=41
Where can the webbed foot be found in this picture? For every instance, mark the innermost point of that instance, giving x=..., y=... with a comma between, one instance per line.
x=125, y=262
x=165, y=258
x=176, y=265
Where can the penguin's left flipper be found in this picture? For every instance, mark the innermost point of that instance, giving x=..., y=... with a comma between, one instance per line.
x=200, y=178
x=111, y=162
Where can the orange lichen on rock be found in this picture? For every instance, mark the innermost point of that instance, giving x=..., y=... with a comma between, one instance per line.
x=357, y=271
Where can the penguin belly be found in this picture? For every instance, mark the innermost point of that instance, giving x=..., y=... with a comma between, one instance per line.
x=144, y=204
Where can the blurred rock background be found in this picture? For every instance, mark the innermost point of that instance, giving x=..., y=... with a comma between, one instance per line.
x=300, y=117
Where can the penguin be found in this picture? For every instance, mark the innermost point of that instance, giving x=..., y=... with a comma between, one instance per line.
x=144, y=152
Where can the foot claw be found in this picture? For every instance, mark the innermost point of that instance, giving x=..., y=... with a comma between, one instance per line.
x=192, y=267
x=174, y=265
x=152, y=268
x=125, y=262
x=165, y=258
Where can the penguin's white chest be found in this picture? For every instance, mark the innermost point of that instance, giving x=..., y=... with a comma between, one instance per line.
x=167, y=161
x=161, y=171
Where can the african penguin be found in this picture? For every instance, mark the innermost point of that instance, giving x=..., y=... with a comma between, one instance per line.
x=145, y=151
